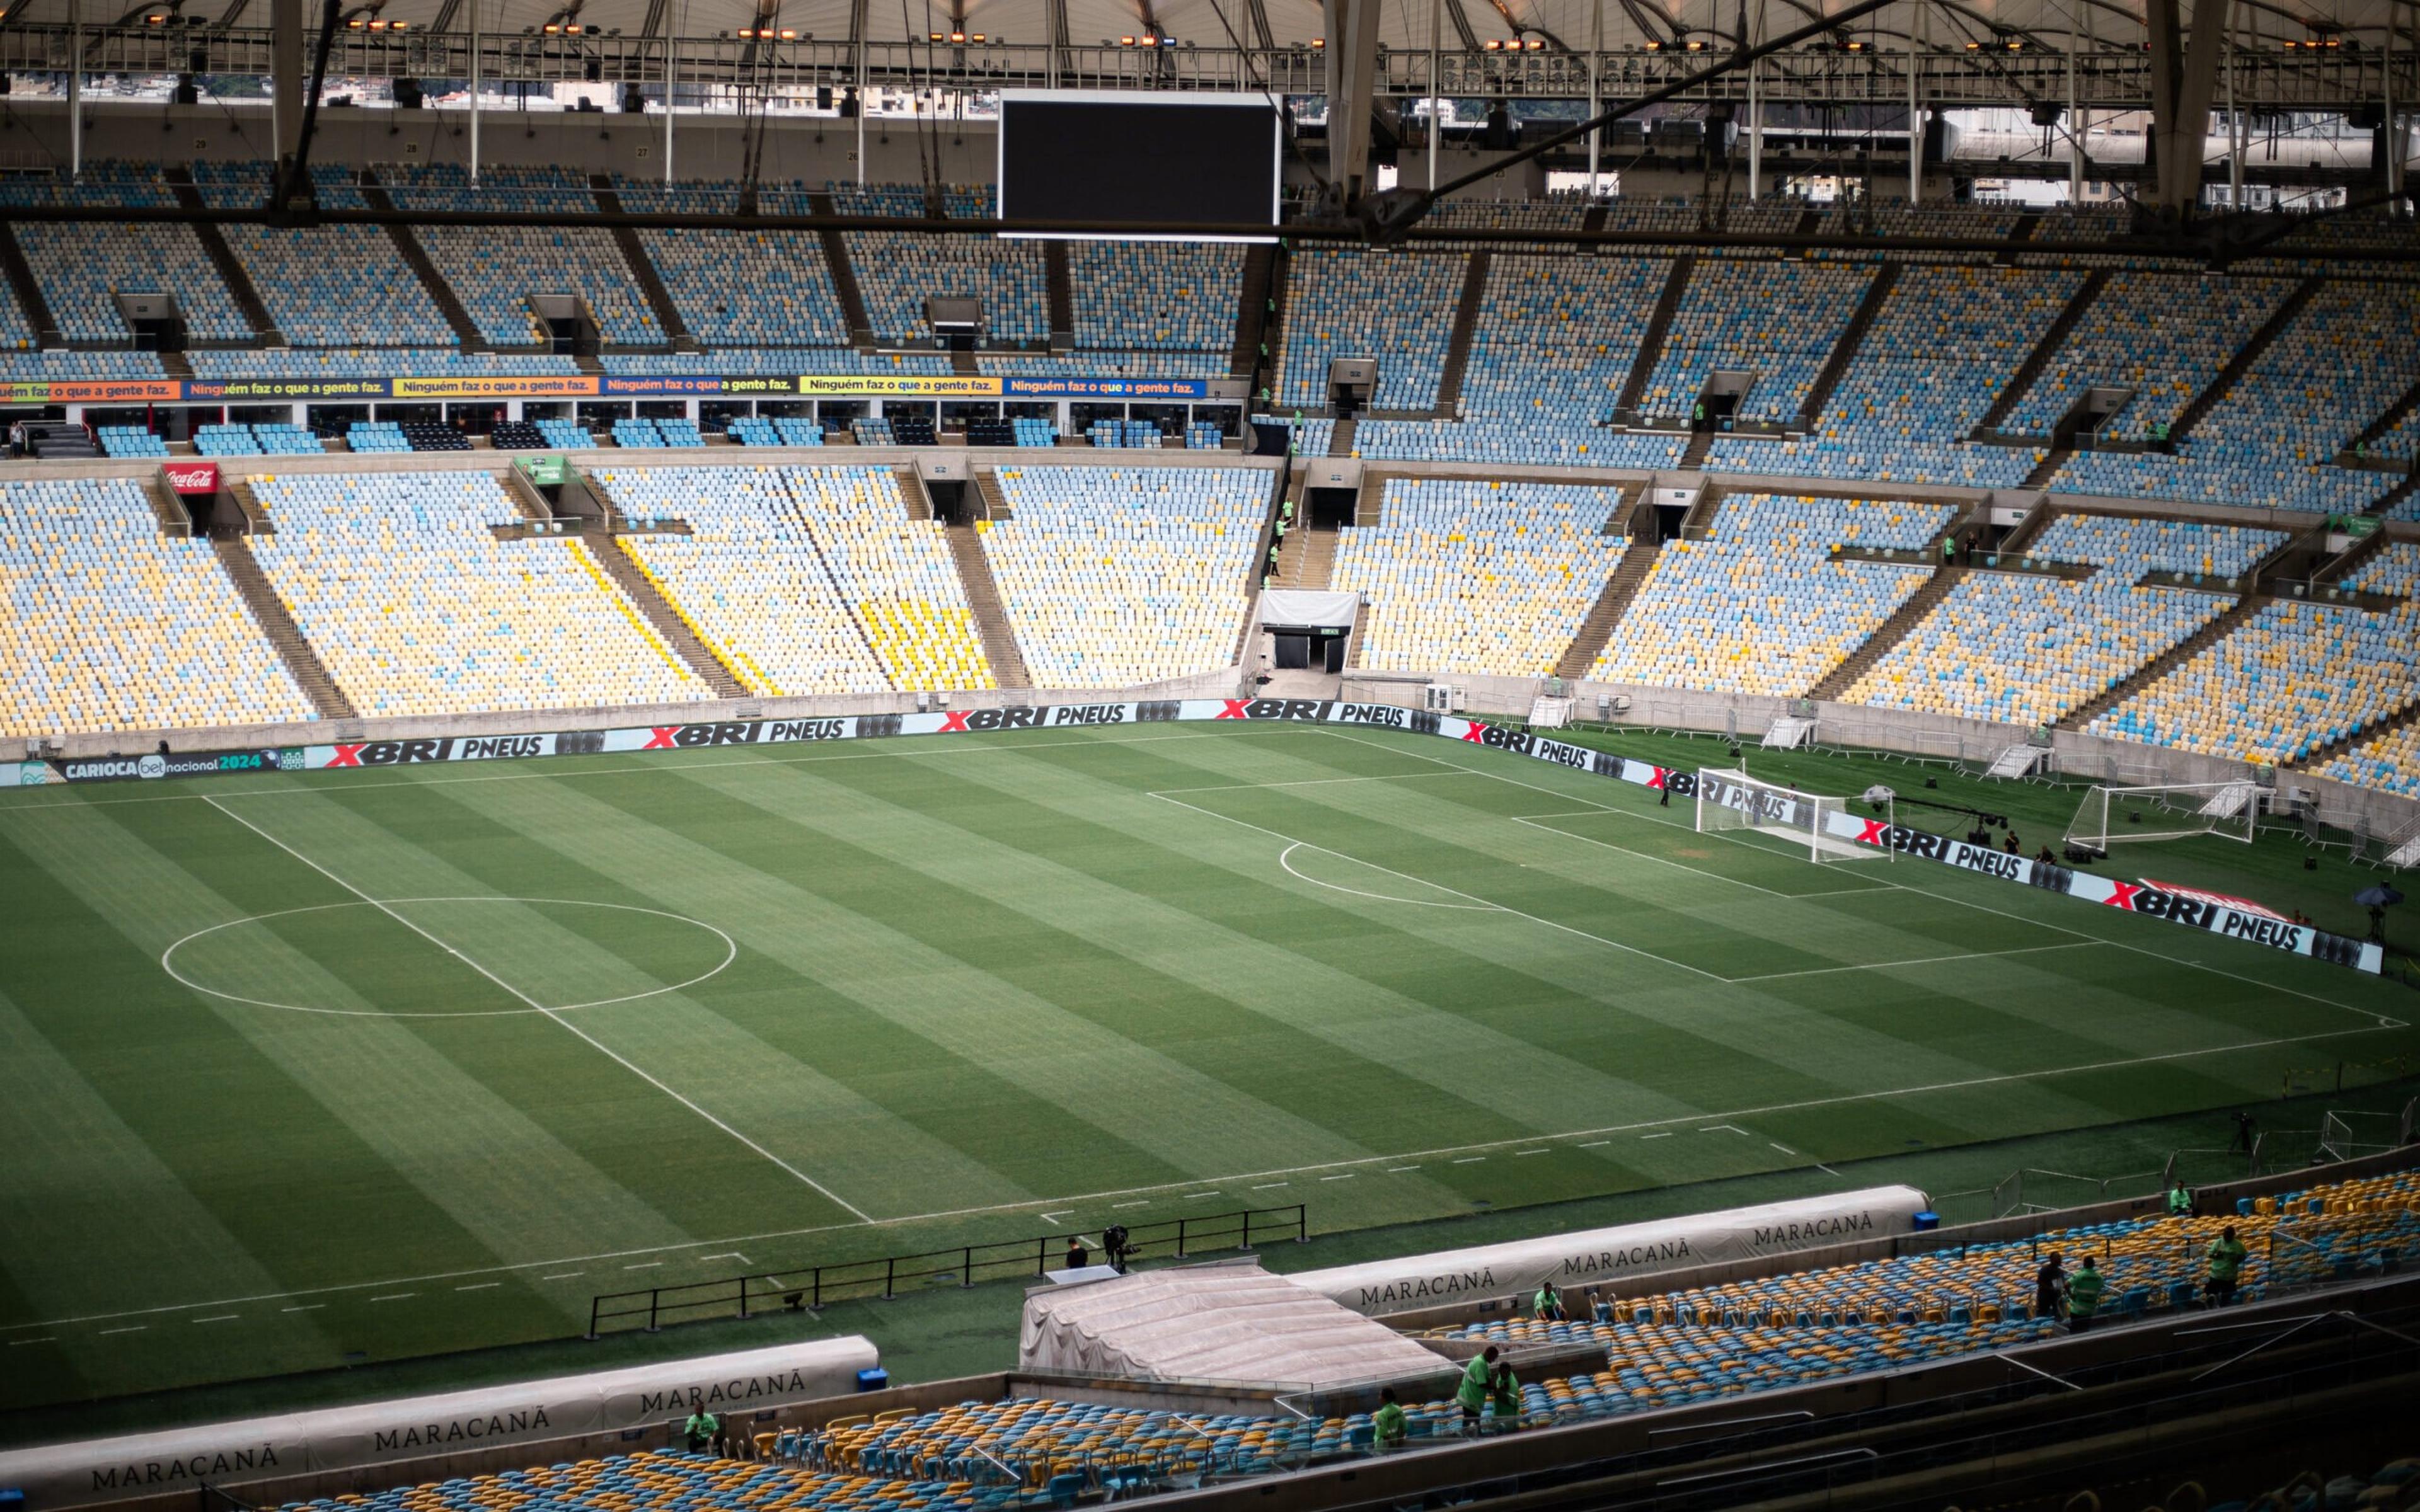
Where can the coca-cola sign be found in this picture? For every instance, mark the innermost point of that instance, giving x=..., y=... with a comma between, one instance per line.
x=192, y=477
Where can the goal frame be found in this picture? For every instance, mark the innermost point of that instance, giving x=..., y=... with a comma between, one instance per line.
x=1808, y=823
x=2167, y=817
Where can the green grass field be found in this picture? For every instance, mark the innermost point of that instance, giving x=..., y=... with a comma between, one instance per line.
x=296, y=1071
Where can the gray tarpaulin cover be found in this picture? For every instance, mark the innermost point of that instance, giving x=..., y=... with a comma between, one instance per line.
x=1306, y=609
x=1229, y=1322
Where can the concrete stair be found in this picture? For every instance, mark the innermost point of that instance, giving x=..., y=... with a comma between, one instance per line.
x=1605, y=616
x=268, y=611
x=1252, y=318
x=991, y=617
x=28, y=289
x=2385, y=423
x=415, y=257
x=1307, y=558
x=230, y=268
x=1659, y=325
x=614, y=558
x=2168, y=661
x=643, y=269
x=987, y=491
x=844, y=277
x=2048, y=466
x=2044, y=349
x=1844, y=351
x=911, y=489
x=1457, y=349
x=1340, y=440
x=2249, y=353
x=2410, y=486
x=1887, y=635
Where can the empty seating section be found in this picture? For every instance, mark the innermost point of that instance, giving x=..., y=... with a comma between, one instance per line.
x=417, y=607
x=130, y=440
x=1556, y=338
x=1311, y=434
x=1032, y=1442
x=495, y=269
x=785, y=430
x=111, y=625
x=1115, y=576
x=377, y=361
x=1762, y=605
x=750, y=289
x=2164, y=335
x=659, y=1482
x=1562, y=213
x=959, y=202
x=898, y=271
x=2296, y=676
x=1395, y=306
x=2269, y=442
x=775, y=362
x=255, y=441
x=1697, y=1344
x=82, y=266
x=376, y=436
x=656, y=433
x=2026, y=647
x=567, y=433
x=1155, y=364
x=1945, y=343
x=1125, y=433
x=2393, y=569
x=807, y=580
x=1776, y=320
x=315, y=280
x=1477, y=576
x=1156, y=296
x=2389, y=760
x=26, y=367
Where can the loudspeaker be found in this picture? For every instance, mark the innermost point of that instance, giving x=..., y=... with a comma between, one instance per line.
x=408, y=95
x=185, y=92
x=592, y=71
x=633, y=102
x=848, y=103
x=2047, y=113
x=823, y=96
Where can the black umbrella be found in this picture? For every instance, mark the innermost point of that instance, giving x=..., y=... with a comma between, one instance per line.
x=2380, y=896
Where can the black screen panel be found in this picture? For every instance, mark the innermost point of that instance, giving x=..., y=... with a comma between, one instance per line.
x=1120, y=162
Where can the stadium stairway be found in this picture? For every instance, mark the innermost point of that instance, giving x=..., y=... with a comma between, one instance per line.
x=2393, y=417
x=1307, y=558
x=1605, y=615
x=2249, y=353
x=2047, y=468
x=1836, y=683
x=670, y=622
x=2169, y=660
x=999, y=645
x=1058, y=295
x=1659, y=325
x=1457, y=346
x=1340, y=440
x=1844, y=351
x=28, y=289
x=643, y=269
x=1255, y=313
x=844, y=278
x=911, y=491
x=268, y=611
x=415, y=257
x=2052, y=340
x=230, y=268
x=994, y=504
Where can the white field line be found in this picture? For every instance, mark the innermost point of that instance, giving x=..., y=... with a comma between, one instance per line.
x=1920, y=960
x=583, y=1035
x=2377, y=1020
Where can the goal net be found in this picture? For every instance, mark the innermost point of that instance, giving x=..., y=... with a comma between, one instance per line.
x=2173, y=811
x=1820, y=824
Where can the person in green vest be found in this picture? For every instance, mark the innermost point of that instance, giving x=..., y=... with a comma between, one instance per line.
x=1549, y=1304
x=2083, y=1296
x=1505, y=1390
x=2179, y=1201
x=1386, y=1424
x=1949, y=550
x=2226, y=1255
x=1473, y=1393
x=701, y=1430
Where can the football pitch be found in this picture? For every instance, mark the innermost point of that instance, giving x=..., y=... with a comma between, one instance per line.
x=303, y=1069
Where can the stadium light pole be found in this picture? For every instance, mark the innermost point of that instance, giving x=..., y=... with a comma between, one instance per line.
x=1914, y=107
x=1436, y=107
x=1756, y=114
x=474, y=93
x=75, y=91
x=2235, y=123
x=671, y=60
x=1596, y=101
x=1387, y=216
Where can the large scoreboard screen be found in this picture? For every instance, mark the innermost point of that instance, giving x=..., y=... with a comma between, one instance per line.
x=1120, y=161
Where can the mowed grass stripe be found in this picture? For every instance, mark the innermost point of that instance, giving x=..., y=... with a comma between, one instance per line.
x=924, y=958
x=760, y=1020
x=415, y=1097
x=1341, y=968
x=668, y=1039
x=1205, y=983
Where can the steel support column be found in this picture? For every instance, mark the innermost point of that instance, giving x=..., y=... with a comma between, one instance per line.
x=2184, y=75
x=1352, y=72
x=288, y=82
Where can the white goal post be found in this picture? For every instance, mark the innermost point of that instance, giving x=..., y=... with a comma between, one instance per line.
x=2173, y=810
x=1824, y=824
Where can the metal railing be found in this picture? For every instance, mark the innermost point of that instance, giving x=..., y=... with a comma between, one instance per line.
x=803, y=1289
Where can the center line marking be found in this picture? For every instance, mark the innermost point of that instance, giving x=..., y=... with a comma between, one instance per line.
x=1139, y=1202
x=137, y=1329
x=1470, y=1160
x=861, y=1216
x=395, y=1296
x=480, y=1286
x=220, y=1318
x=563, y=1276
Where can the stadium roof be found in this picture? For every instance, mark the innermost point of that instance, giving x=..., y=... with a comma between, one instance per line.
x=1627, y=24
